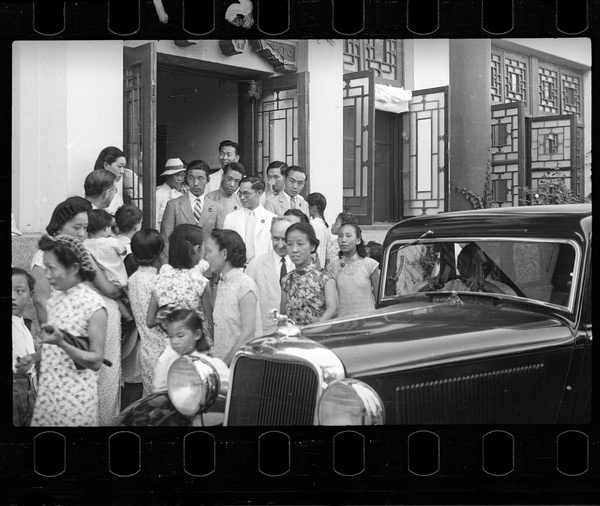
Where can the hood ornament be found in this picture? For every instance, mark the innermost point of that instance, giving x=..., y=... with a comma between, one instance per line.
x=285, y=326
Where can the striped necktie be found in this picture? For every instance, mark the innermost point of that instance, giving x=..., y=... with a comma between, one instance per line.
x=197, y=210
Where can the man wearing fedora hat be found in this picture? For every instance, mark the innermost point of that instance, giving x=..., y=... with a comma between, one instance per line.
x=174, y=175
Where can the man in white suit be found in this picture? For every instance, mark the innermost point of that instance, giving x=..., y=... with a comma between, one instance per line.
x=289, y=198
x=253, y=221
x=267, y=271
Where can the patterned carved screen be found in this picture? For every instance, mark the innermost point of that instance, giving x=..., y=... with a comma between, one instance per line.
x=132, y=131
x=424, y=153
x=553, y=149
x=379, y=55
x=358, y=144
x=507, y=157
x=277, y=128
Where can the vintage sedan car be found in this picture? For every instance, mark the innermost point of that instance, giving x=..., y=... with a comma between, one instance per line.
x=483, y=316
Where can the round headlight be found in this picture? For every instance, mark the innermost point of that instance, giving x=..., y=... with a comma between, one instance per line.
x=192, y=384
x=350, y=402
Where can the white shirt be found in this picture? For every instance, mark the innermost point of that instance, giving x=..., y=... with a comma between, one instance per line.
x=215, y=181
x=164, y=193
x=288, y=263
x=22, y=341
x=323, y=235
x=125, y=241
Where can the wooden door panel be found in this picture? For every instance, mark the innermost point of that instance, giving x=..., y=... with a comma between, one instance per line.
x=139, y=129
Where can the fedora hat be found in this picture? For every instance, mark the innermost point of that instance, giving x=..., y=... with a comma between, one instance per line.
x=173, y=166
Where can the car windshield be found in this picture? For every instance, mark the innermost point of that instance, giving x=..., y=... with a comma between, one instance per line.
x=538, y=270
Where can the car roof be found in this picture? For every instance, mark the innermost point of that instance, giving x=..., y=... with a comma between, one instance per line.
x=565, y=221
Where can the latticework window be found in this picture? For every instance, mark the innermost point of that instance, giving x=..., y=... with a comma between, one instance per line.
x=548, y=90
x=379, y=55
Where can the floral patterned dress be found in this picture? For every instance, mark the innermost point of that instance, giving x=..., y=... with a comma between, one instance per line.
x=353, y=279
x=68, y=396
x=305, y=294
x=109, y=378
x=153, y=341
x=184, y=287
x=232, y=288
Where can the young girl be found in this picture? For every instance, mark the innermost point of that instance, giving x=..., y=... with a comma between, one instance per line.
x=237, y=312
x=333, y=248
x=308, y=293
x=68, y=382
x=146, y=246
x=357, y=275
x=180, y=282
x=316, y=208
x=184, y=328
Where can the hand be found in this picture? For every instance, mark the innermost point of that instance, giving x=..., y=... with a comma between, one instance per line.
x=51, y=335
x=25, y=363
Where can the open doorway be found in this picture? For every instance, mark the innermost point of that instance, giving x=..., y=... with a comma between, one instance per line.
x=194, y=114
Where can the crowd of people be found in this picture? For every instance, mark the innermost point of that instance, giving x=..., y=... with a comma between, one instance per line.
x=117, y=303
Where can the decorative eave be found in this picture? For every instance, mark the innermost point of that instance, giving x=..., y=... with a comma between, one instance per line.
x=280, y=55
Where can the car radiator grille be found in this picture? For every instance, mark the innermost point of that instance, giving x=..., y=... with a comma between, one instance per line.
x=266, y=392
x=505, y=396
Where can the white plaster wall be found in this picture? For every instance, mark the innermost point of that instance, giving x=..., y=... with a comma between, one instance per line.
x=324, y=62
x=67, y=106
x=426, y=63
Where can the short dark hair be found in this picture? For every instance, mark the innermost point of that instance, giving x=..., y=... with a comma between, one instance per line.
x=282, y=166
x=298, y=213
x=305, y=228
x=256, y=182
x=127, y=217
x=17, y=271
x=181, y=245
x=65, y=255
x=147, y=245
x=238, y=167
x=108, y=155
x=199, y=165
x=374, y=251
x=66, y=211
x=295, y=168
x=98, y=181
x=98, y=219
x=231, y=241
x=232, y=144
x=193, y=320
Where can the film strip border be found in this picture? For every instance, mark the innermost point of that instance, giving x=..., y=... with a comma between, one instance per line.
x=558, y=465
x=302, y=18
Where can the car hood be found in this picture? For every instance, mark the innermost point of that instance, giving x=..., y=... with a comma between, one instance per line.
x=420, y=334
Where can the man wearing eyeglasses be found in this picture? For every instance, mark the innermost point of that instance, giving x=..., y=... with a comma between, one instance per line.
x=100, y=188
x=253, y=221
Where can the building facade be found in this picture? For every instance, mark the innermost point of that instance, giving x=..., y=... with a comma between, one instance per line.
x=386, y=128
